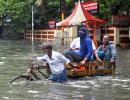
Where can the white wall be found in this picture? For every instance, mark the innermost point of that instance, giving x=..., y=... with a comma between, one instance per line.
x=68, y=35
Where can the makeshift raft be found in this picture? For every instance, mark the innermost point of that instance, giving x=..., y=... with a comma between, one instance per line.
x=90, y=69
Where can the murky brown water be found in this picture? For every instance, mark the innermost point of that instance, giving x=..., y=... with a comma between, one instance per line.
x=13, y=55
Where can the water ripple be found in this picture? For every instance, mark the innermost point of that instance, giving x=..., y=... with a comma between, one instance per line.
x=1, y=63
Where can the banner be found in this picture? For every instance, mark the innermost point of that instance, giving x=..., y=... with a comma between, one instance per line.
x=52, y=23
x=91, y=7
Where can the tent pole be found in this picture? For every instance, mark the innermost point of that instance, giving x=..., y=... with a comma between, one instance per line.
x=94, y=34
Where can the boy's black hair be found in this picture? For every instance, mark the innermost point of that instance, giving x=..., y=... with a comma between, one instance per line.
x=46, y=46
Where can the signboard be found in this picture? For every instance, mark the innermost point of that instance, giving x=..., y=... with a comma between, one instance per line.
x=91, y=7
x=52, y=23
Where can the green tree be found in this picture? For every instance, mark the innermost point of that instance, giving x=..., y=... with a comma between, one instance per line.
x=20, y=10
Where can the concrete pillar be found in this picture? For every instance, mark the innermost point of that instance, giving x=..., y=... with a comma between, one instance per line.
x=129, y=32
x=116, y=35
x=98, y=34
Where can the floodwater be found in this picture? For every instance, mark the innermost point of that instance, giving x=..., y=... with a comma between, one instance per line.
x=13, y=55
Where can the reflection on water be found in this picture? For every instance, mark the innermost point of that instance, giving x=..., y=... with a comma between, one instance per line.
x=13, y=55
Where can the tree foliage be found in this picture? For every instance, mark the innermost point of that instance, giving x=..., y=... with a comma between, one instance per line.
x=20, y=10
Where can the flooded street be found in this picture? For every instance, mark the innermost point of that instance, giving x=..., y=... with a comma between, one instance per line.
x=13, y=56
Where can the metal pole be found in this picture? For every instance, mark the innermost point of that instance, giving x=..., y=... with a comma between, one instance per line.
x=32, y=28
x=62, y=5
x=62, y=17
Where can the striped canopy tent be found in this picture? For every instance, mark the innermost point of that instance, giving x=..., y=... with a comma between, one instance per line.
x=80, y=15
x=76, y=17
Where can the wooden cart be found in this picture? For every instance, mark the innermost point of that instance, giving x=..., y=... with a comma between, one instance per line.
x=90, y=69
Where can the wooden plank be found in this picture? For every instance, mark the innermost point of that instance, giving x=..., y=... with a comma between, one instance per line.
x=92, y=64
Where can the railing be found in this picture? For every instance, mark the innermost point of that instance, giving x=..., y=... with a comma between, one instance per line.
x=41, y=35
x=53, y=36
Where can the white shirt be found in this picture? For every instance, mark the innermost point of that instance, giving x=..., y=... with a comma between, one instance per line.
x=93, y=45
x=56, y=63
x=76, y=43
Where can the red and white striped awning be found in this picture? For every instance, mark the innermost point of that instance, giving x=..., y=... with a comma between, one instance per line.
x=78, y=16
x=65, y=22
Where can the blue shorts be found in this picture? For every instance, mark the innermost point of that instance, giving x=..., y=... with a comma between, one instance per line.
x=62, y=77
x=101, y=55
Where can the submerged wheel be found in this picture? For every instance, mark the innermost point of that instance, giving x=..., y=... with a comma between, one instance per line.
x=21, y=78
